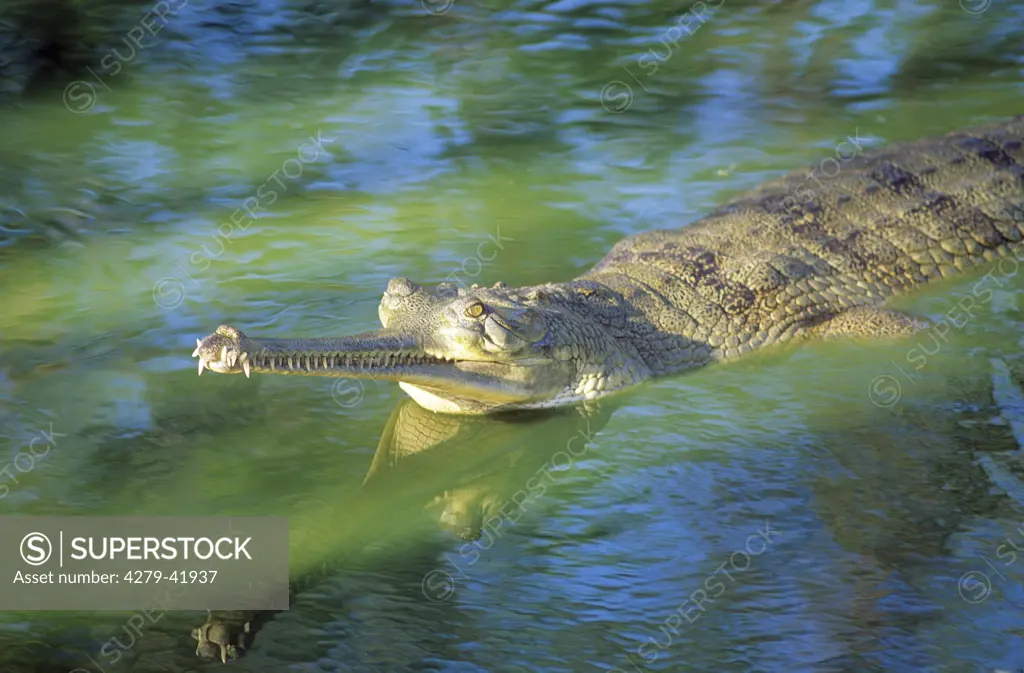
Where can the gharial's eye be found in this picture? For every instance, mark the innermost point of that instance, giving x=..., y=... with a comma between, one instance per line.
x=475, y=310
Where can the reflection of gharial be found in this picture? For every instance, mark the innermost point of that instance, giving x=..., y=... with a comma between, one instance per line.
x=787, y=260
x=474, y=476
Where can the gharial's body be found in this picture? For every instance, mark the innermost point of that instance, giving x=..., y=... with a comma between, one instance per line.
x=801, y=255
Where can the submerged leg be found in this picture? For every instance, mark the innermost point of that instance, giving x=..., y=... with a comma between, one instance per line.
x=867, y=321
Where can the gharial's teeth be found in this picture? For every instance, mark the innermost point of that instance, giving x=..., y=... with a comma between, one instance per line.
x=245, y=368
x=201, y=363
x=199, y=344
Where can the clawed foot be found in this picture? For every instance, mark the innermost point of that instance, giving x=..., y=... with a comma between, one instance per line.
x=220, y=639
x=457, y=516
x=223, y=352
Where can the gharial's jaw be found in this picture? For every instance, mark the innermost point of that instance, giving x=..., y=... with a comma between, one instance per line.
x=437, y=381
x=536, y=385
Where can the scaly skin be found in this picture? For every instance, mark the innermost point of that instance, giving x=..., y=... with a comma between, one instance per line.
x=799, y=256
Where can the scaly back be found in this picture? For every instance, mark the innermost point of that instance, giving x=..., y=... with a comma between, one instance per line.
x=807, y=246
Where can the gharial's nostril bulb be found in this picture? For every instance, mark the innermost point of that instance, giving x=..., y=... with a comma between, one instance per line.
x=401, y=287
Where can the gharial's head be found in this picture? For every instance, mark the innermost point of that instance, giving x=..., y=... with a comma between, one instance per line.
x=487, y=347
x=463, y=351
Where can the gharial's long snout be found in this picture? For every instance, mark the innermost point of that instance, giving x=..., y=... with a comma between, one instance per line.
x=377, y=354
x=380, y=354
x=436, y=380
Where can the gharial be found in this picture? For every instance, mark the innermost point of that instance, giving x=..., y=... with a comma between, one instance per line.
x=792, y=258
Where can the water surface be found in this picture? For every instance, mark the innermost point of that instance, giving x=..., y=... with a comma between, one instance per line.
x=840, y=513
